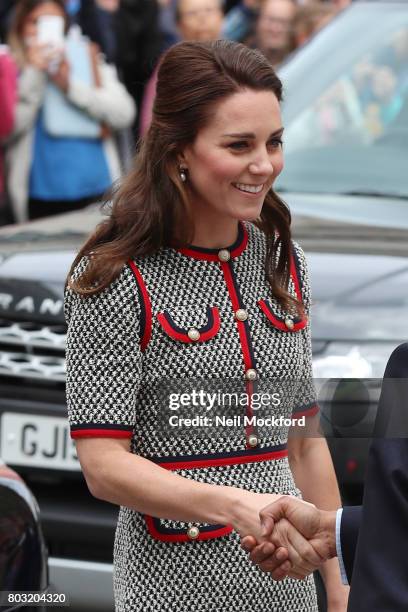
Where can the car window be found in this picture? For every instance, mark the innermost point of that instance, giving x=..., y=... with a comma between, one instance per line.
x=350, y=135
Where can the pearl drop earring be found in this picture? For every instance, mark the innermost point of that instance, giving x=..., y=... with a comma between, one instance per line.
x=183, y=175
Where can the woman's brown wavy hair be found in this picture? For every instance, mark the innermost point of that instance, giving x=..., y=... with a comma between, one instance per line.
x=150, y=207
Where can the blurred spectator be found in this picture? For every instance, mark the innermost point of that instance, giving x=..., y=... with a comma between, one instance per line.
x=274, y=32
x=57, y=169
x=8, y=98
x=240, y=20
x=97, y=20
x=6, y=7
x=199, y=19
x=139, y=44
x=310, y=18
x=107, y=11
x=196, y=20
x=387, y=101
x=340, y=4
x=167, y=22
x=395, y=55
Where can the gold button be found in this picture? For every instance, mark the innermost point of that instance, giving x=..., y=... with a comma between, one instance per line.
x=193, y=334
x=224, y=255
x=251, y=374
x=241, y=314
x=289, y=323
x=252, y=440
x=193, y=532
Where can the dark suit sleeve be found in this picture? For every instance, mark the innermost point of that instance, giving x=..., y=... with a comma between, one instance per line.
x=349, y=529
x=380, y=572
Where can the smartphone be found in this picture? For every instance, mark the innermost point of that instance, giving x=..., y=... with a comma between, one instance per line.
x=50, y=31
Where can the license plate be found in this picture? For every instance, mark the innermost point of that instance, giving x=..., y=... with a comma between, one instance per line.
x=38, y=441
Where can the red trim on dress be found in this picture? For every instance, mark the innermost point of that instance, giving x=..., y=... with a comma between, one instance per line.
x=240, y=324
x=101, y=433
x=242, y=330
x=309, y=412
x=203, y=463
x=183, y=337
x=183, y=537
x=249, y=387
x=147, y=332
x=281, y=324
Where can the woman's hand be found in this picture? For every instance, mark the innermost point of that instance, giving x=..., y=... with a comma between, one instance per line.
x=38, y=55
x=246, y=510
x=61, y=76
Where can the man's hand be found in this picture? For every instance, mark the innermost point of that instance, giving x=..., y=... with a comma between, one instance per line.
x=302, y=537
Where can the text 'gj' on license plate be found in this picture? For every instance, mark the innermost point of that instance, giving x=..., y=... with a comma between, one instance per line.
x=39, y=441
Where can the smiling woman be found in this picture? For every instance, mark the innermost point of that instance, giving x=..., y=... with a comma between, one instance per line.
x=193, y=283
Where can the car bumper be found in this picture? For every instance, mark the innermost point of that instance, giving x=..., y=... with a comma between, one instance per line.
x=87, y=584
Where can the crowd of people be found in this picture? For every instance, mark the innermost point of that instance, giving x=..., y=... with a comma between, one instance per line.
x=78, y=77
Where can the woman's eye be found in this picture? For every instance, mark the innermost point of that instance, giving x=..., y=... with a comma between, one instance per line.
x=238, y=145
x=275, y=143
x=242, y=144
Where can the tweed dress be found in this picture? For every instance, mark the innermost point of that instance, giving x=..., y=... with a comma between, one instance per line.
x=178, y=316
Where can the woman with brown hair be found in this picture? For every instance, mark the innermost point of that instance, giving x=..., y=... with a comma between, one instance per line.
x=192, y=284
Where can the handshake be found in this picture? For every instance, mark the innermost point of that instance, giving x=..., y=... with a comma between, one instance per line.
x=297, y=538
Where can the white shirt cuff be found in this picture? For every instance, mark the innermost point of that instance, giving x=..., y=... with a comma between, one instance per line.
x=338, y=547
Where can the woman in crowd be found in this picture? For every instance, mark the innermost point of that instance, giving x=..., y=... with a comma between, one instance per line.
x=58, y=169
x=8, y=84
x=193, y=282
x=196, y=20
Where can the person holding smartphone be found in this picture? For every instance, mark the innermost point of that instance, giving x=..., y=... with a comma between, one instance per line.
x=54, y=171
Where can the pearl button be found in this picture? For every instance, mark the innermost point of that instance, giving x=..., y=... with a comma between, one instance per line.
x=193, y=532
x=252, y=441
x=224, y=255
x=251, y=374
x=241, y=314
x=289, y=323
x=193, y=334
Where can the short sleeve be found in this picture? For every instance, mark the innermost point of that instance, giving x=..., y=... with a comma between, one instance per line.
x=103, y=358
x=306, y=398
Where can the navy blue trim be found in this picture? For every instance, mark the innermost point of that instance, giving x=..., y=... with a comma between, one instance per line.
x=176, y=531
x=297, y=266
x=281, y=319
x=235, y=245
x=181, y=330
x=247, y=332
x=204, y=457
x=102, y=426
x=142, y=322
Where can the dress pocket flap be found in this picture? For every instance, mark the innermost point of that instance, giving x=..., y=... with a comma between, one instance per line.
x=191, y=334
x=283, y=323
x=160, y=531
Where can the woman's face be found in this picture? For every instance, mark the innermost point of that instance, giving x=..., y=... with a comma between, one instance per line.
x=29, y=31
x=235, y=159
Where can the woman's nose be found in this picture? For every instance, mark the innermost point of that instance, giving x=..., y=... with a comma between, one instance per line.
x=262, y=165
